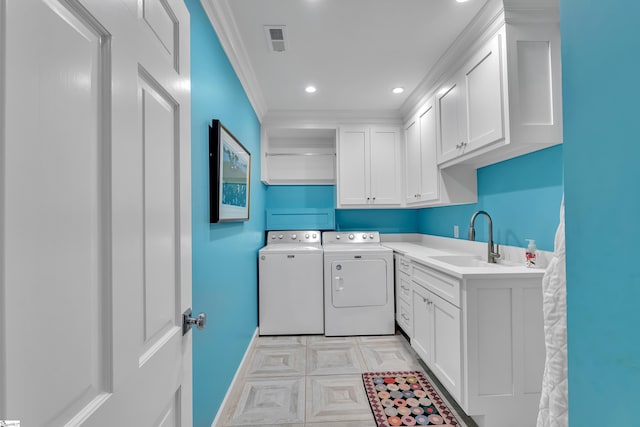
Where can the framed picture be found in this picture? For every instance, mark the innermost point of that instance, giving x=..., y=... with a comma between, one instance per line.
x=229, y=176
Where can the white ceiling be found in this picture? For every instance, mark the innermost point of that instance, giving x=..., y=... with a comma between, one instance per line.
x=353, y=51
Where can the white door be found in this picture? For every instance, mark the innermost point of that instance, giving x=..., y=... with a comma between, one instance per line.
x=422, y=339
x=429, y=173
x=412, y=147
x=447, y=348
x=353, y=166
x=485, y=100
x=451, y=120
x=385, y=166
x=95, y=219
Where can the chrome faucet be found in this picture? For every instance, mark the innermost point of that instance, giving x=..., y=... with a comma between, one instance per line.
x=491, y=255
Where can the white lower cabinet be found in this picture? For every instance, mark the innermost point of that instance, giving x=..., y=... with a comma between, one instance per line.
x=404, y=310
x=483, y=339
x=436, y=337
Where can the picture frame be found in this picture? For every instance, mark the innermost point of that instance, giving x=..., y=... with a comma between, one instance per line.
x=229, y=176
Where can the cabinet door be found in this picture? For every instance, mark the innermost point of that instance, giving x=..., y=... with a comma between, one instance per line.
x=422, y=340
x=446, y=350
x=484, y=95
x=430, y=175
x=353, y=166
x=385, y=166
x=413, y=157
x=451, y=118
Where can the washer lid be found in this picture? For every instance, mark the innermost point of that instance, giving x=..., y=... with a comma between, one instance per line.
x=292, y=247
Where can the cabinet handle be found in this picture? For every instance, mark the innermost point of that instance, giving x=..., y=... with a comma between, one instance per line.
x=405, y=317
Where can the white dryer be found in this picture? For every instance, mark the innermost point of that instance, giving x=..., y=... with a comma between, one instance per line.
x=290, y=285
x=358, y=284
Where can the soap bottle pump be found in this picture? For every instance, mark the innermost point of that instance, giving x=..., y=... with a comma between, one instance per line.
x=530, y=253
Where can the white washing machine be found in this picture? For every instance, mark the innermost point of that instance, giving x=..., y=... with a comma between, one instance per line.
x=290, y=284
x=358, y=284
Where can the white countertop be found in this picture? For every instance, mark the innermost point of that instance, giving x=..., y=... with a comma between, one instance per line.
x=423, y=252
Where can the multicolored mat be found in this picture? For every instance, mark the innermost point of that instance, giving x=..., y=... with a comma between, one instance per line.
x=406, y=398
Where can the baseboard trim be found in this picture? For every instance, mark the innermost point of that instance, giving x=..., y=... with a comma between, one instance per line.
x=217, y=421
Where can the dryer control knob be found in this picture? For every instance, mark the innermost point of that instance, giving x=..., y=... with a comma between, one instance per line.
x=351, y=236
x=371, y=236
x=306, y=236
x=293, y=237
x=314, y=235
x=273, y=237
x=364, y=236
x=337, y=237
x=280, y=236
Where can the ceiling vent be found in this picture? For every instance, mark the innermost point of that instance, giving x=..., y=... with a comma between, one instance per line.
x=276, y=37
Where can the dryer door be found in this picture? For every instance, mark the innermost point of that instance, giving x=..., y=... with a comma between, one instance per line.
x=358, y=282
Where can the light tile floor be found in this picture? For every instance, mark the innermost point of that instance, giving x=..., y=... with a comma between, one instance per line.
x=313, y=381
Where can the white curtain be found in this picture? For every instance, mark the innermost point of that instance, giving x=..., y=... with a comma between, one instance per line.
x=554, y=408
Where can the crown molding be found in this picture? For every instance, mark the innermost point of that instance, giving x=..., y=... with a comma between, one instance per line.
x=329, y=118
x=491, y=15
x=488, y=20
x=221, y=18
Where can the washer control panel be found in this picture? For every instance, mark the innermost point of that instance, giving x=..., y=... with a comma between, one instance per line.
x=293, y=236
x=350, y=237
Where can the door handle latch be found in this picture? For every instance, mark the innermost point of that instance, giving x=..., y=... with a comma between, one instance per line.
x=188, y=321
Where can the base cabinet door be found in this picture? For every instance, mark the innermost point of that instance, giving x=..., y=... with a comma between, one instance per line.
x=437, y=337
x=404, y=315
x=446, y=360
x=422, y=340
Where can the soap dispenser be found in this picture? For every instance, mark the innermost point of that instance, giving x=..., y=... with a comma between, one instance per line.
x=530, y=253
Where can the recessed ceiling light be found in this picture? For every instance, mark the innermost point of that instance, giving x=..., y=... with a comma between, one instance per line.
x=398, y=90
x=462, y=1
x=310, y=89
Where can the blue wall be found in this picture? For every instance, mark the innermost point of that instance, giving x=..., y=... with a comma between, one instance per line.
x=300, y=196
x=601, y=55
x=323, y=196
x=224, y=255
x=522, y=195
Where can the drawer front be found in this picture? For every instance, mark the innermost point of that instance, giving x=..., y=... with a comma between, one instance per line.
x=403, y=317
x=403, y=264
x=404, y=287
x=446, y=287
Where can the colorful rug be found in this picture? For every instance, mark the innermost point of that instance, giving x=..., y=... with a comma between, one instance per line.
x=406, y=398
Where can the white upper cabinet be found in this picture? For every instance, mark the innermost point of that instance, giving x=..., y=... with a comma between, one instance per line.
x=368, y=167
x=504, y=101
x=471, y=105
x=422, y=174
x=450, y=122
x=426, y=183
